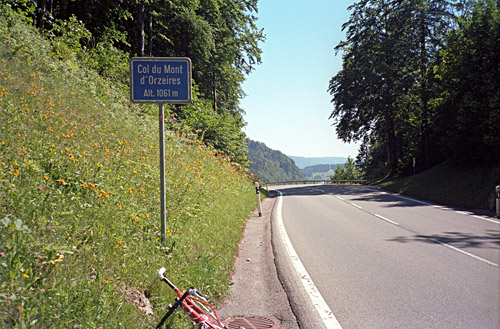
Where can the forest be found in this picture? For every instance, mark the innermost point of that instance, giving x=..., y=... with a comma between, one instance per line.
x=271, y=165
x=420, y=82
x=220, y=37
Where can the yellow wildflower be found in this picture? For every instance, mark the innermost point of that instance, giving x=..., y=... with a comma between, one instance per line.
x=60, y=259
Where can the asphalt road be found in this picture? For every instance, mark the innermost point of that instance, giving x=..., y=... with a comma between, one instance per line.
x=380, y=260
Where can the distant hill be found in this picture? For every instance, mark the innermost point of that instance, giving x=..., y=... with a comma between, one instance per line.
x=271, y=165
x=303, y=162
x=321, y=171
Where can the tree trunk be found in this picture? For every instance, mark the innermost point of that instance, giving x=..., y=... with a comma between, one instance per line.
x=424, y=93
x=150, y=31
x=140, y=29
x=392, y=156
x=64, y=9
x=214, y=88
x=41, y=8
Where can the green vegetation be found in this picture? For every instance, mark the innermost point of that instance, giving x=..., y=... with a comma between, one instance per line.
x=420, y=79
x=79, y=194
x=347, y=171
x=219, y=36
x=467, y=187
x=320, y=171
x=270, y=165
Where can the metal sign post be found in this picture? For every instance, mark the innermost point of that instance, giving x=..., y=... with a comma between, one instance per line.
x=162, y=80
x=161, y=128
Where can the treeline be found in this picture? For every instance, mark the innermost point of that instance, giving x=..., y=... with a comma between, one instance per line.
x=270, y=165
x=219, y=36
x=314, y=171
x=347, y=171
x=420, y=79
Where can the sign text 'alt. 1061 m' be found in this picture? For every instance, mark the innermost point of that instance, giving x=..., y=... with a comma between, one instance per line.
x=160, y=80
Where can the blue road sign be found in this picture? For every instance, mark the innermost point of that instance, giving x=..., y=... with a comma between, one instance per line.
x=160, y=80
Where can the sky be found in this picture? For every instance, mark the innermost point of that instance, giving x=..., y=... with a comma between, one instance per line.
x=288, y=104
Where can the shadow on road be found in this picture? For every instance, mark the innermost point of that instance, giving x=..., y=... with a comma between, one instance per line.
x=490, y=240
x=364, y=193
x=355, y=192
x=320, y=189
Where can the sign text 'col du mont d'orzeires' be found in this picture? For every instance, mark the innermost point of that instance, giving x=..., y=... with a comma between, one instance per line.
x=160, y=80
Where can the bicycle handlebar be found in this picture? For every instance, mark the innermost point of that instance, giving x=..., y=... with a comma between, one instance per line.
x=163, y=277
x=161, y=273
x=196, y=293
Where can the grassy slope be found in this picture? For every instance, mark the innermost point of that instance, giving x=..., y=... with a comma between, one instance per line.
x=79, y=190
x=446, y=184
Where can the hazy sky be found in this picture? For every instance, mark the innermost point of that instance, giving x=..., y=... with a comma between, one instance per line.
x=288, y=104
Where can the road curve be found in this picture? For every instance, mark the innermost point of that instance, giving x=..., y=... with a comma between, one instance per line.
x=381, y=260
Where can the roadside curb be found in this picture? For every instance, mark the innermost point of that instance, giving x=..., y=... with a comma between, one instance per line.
x=256, y=289
x=299, y=299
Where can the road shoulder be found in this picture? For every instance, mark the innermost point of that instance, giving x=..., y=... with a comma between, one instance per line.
x=256, y=289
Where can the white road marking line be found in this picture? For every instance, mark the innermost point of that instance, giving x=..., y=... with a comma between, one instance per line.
x=319, y=303
x=316, y=189
x=487, y=219
x=414, y=200
x=355, y=205
x=386, y=219
x=340, y=198
x=466, y=253
x=439, y=206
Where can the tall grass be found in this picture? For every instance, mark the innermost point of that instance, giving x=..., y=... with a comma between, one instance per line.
x=79, y=197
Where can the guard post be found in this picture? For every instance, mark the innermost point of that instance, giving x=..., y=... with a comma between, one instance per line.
x=161, y=80
x=497, y=197
x=257, y=190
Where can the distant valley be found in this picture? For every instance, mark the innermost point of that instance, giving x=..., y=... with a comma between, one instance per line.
x=320, y=171
x=272, y=165
x=303, y=162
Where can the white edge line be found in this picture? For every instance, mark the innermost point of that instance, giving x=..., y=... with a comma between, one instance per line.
x=487, y=219
x=466, y=253
x=386, y=219
x=319, y=303
x=355, y=205
x=414, y=200
x=438, y=206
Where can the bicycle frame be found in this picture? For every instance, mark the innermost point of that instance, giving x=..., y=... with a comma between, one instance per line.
x=198, y=310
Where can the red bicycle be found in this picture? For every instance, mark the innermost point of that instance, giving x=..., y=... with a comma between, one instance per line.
x=194, y=304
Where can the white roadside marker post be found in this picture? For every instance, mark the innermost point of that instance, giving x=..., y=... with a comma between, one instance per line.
x=497, y=194
x=257, y=190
